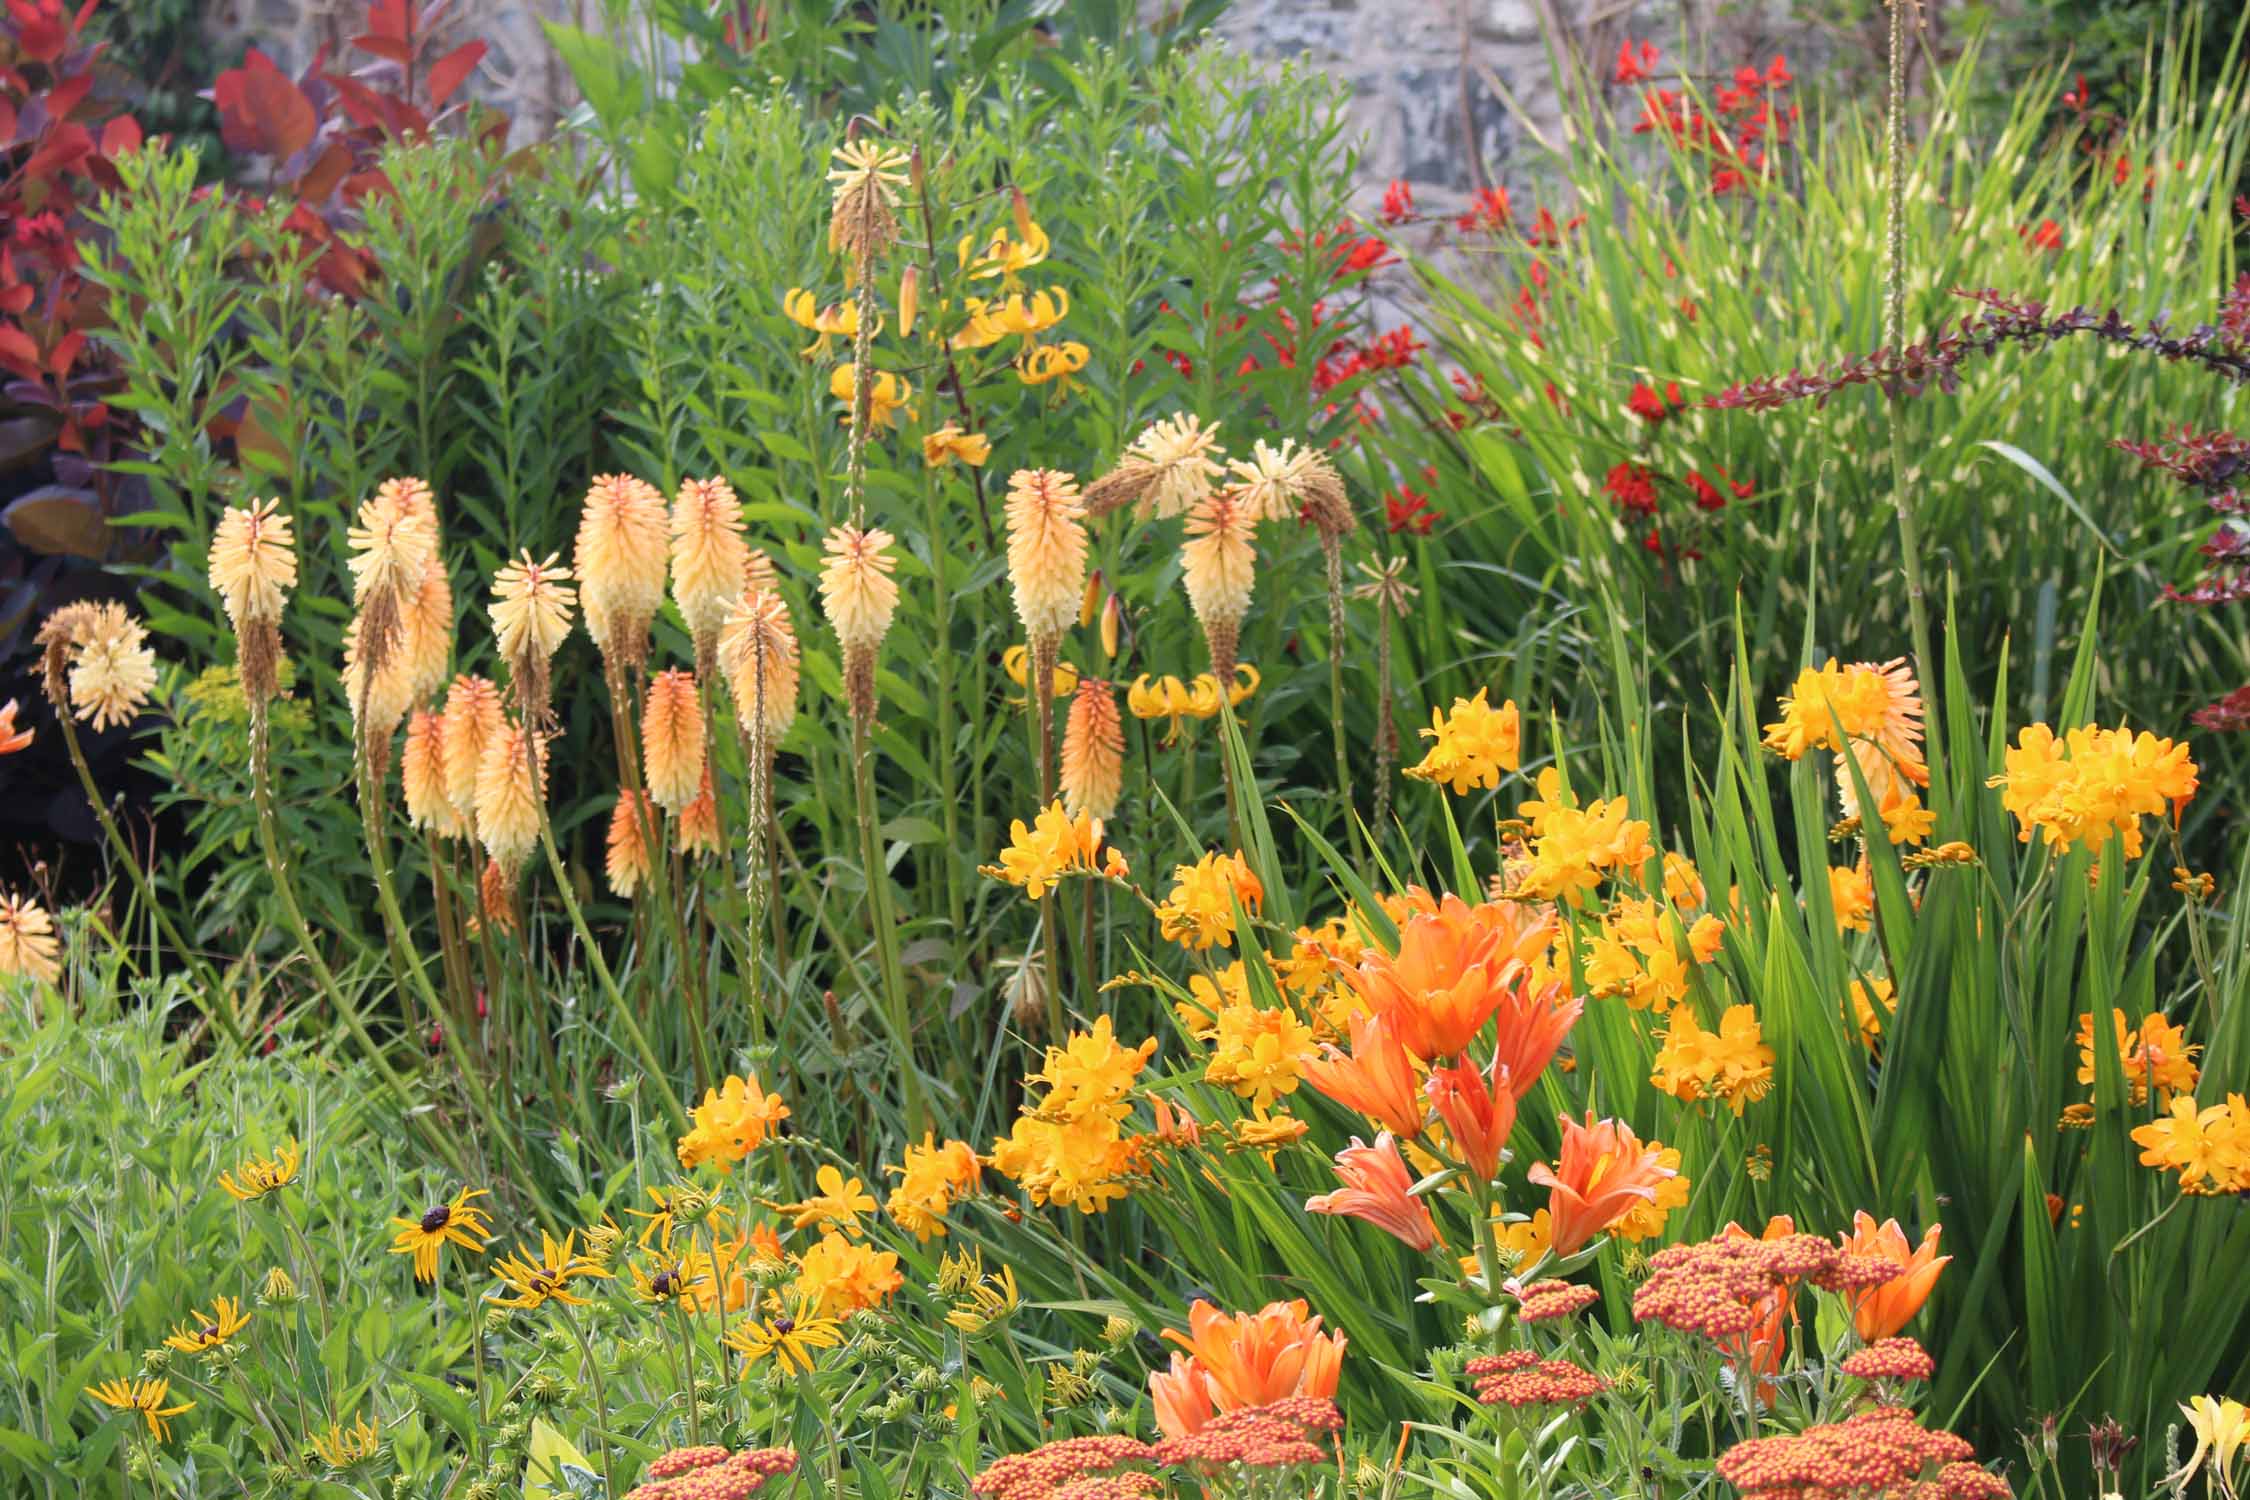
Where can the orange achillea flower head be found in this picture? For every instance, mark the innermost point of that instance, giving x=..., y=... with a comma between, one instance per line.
x=1449, y=975
x=1376, y=1077
x=1093, y=751
x=473, y=719
x=1479, y=1111
x=696, y=829
x=621, y=556
x=672, y=739
x=758, y=654
x=27, y=940
x=626, y=860
x=732, y=1121
x=1255, y=1359
x=1377, y=1188
x=1602, y=1174
x=1880, y=1311
x=1046, y=551
x=511, y=787
x=708, y=559
x=253, y=562
x=1218, y=565
x=423, y=773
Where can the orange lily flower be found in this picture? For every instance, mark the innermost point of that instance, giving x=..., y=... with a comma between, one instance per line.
x=1881, y=1311
x=1376, y=1188
x=12, y=739
x=1603, y=1172
x=1376, y=1077
x=1479, y=1111
x=1182, y=1397
x=1249, y=1359
x=1443, y=984
x=1529, y=1028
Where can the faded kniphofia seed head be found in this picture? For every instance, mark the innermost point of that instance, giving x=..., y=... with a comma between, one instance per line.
x=672, y=739
x=710, y=561
x=622, y=551
x=112, y=669
x=1270, y=483
x=1046, y=551
x=378, y=690
x=863, y=209
x=758, y=653
x=1166, y=471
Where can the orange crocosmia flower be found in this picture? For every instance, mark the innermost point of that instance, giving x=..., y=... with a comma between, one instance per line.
x=1378, y=1188
x=12, y=739
x=1528, y=1028
x=1881, y=1311
x=1449, y=974
x=1479, y=1111
x=1376, y=1077
x=1255, y=1359
x=1602, y=1174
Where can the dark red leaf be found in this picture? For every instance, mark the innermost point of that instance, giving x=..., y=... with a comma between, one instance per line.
x=19, y=353
x=65, y=97
x=7, y=124
x=320, y=180
x=452, y=70
x=385, y=47
x=121, y=135
x=65, y=354
x=284, y=116
x=53, y=520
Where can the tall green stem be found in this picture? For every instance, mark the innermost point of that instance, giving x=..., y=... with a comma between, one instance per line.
x=1894, y=339
x=886, y=932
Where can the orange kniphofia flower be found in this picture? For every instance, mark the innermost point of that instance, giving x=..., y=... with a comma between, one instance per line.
x=856, y=588
x=531, y=602
x=696, y=830
x=27, y=940
x=620, y=558
x=1449, y=974
x=394, y=541
x=1377, y=1188
x=1218, y=566
x=1046, y=551
x=473, y=718
x=425, y=636
x=672, y=739
x=1879, y=1312
x=708, y=557
x=1479, y=1111
x=253, y=562
x=510, y=795
x=1093, y=751
x=626, y=863
x=423, y=772
x=1255, y=1359
x=1376, y=1078
x=1603, y=1173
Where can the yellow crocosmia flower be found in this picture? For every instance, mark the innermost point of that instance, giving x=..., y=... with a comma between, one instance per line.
x=1044, y=363
x=837, y=1205
x=837, y=1276
x=1645, y=1221
x=1056, y=844
x=1732, y=1064
x=1200, y=909
x=1475, y=742
x=1259, y=1053
x=2092, y=783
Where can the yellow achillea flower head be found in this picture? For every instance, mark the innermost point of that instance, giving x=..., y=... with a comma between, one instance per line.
x=144, y=1396
x=863, y=208
x=341, y=1447
x=1167, y=471
x=534, y=1282
x=256, y=1176
x=949, y=443
x=708, y=559
x=2092, y=783
x=858, y=595
x=112, y=669
x=253, y=562
x=672, y=739
x=622, y=553
x=696, y=829
x=28, y=949
x=1093, y=751
x=473, y=719
x=732, y=1121
x=422, y=770
x=511, y=788
x=758, y=653
x=457, y=1221
x=203, y=1331
x=625, y=861
x=1219, y=565
x=1732, y=1064
x=1199, y=912
x=1475, y=743
x=1046, y=552
x=394, y=541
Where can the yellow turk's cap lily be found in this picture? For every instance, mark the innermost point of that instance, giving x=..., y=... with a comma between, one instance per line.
x=1170, y=698
x=1016, y=662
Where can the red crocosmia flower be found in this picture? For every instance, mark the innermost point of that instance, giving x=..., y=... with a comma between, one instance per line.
x=2046, y=236
x=1777, y=73
x=1398, y=202
x=1364, y=255
x=2076, y=98
x=1633, y=487
x=1653, y=542
x=1408, y=512
x=1649, y=406
x=1634, y=63
x=1707, y=495
x=1488, y=210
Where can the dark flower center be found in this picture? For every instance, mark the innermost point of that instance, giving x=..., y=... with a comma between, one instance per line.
x=784, y=1326
x=662, y=1284
x=437, y=1218
x=210, y=1330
